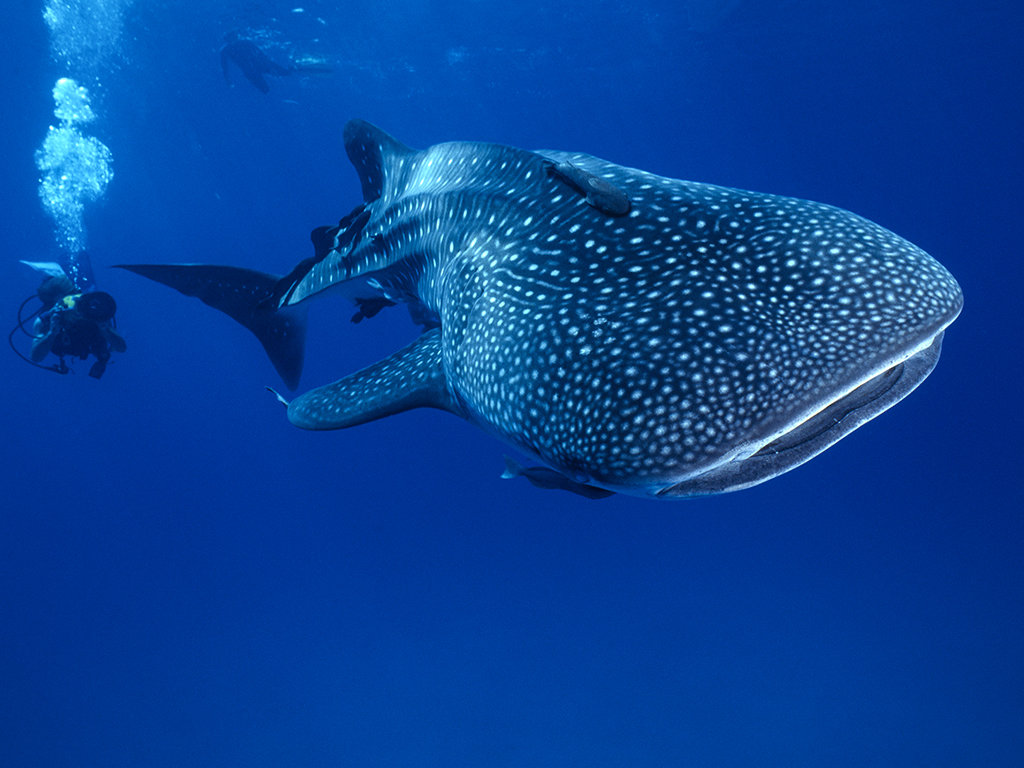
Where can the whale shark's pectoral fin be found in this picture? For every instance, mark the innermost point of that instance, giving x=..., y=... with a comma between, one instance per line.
x=413, y=377
x=246, y=296
x=549, y=479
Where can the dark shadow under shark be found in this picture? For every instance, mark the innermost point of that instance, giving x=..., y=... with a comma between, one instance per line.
x=635, y=333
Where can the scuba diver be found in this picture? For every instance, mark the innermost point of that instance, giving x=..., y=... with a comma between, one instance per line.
x=254, y=63
x=70, y=322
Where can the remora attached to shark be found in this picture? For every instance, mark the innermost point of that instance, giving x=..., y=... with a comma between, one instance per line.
x=635, y=333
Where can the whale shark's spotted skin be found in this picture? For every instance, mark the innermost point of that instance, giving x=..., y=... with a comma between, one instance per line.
x=706, y=340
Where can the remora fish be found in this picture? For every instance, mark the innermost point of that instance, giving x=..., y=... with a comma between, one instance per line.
x=635, y=333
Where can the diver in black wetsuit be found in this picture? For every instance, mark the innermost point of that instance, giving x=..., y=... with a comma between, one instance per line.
x=74, y=319
x=75, y=324
x=254, y=63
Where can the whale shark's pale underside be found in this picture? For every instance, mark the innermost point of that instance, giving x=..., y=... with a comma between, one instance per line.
x=634, y=333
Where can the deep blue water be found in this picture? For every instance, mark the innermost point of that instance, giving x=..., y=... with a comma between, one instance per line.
x=187, y=579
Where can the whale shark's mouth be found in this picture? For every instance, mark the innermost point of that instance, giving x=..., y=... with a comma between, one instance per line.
x=832, y=416
x=813, y=435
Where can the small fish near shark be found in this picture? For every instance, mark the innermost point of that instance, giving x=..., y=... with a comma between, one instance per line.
x=636, y=334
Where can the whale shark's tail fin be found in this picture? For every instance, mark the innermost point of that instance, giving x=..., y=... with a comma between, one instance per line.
x=247, y=296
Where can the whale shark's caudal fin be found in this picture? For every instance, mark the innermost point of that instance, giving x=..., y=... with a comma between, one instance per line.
x=248, y=297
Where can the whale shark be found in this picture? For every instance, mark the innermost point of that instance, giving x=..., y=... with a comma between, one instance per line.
x=634, y=333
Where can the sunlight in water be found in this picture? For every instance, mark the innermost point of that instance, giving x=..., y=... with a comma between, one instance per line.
x=84, y=32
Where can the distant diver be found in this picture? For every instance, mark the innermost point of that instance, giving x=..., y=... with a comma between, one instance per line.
x=69, y=323
x=254, y=63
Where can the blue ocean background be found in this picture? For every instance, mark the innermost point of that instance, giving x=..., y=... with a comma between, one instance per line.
x=188, y=580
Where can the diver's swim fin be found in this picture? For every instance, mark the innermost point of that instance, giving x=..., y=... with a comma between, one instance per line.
x=247, y=296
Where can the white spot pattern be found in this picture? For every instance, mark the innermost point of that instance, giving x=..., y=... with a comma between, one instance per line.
x=636, y=351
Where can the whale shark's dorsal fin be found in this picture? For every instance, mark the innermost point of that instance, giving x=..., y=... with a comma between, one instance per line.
x=373, y=153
